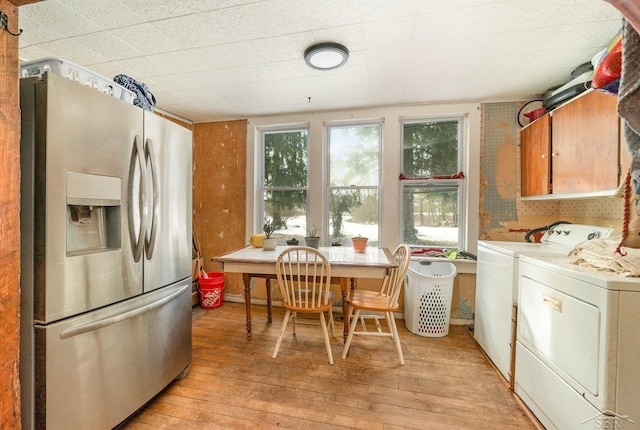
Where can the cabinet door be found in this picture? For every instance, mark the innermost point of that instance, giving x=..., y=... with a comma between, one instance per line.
x=585, y=148
x=535, y=146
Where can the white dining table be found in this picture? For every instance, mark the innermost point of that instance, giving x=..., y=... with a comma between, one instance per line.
x=346, y=267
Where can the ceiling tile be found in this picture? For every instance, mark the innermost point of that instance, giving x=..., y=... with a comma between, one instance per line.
x=170, y=63
x=106, y=15
x=59, y=19
x=147, y=38
x=217, y=59
x=139, y=67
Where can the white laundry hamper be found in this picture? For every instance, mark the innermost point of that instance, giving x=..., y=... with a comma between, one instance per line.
x=428, y=290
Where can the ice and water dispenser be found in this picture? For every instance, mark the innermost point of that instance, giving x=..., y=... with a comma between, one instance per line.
x=93, y=213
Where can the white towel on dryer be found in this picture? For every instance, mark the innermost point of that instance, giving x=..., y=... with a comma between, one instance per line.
x=601, y=254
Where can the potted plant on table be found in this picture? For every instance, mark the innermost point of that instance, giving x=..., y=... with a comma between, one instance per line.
x=359, y=243
x=268, y=243
x=312, y=239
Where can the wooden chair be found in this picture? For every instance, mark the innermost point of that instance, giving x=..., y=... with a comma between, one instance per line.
x=385, y=301
x=304, y=278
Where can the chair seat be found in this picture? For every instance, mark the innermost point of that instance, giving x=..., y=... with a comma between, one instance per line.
x=304, y=278
x=385, y=301
x=315, y=310
x=372, y=301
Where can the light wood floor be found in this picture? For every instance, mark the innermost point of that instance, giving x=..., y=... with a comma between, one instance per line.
x=447, y=383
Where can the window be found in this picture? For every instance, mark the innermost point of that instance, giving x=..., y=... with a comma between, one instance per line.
x=432, y=208
x=354, y=182
x=285, y=181
x=351, y=161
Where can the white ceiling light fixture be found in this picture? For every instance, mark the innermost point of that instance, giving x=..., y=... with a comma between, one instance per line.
x=326, y=56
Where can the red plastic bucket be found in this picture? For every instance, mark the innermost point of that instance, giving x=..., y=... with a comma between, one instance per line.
x=211, y=290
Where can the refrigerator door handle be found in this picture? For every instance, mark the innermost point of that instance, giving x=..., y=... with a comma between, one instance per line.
x=150, y=241
x=136, y=158
x=92, y=326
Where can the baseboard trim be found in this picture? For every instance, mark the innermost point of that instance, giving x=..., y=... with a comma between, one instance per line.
x=337, y=309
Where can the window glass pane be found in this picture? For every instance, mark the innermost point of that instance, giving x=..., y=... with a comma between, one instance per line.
x=354, y=154
x=430, y=148
x=430, y=215
x=287, y=210
x=285, y=182
x=353, y=192
x=285, y=159
x=353, y=212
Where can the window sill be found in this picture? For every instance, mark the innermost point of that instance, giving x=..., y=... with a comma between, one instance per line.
x=462, y=265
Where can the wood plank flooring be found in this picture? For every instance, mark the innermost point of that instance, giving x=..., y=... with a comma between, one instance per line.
x=447, y=383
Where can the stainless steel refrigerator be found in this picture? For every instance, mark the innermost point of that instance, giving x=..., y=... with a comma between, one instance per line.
x=106, y=255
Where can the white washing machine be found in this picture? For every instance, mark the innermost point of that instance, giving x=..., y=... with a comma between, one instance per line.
x=497, y=286
x=578, y=345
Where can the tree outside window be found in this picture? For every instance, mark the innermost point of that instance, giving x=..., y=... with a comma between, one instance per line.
x=354, y=181
x=431, y=205
x=285, y=181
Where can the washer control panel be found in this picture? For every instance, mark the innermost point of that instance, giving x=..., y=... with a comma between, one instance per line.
x=572, y=234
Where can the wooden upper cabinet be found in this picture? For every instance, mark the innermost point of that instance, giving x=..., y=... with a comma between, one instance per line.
x=575, y=151
x=535, y=165
x=585, y=144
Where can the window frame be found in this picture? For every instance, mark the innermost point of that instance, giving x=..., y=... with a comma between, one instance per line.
x=391, y=168
x=327, y=187
x=259, y=217
x=460, y=184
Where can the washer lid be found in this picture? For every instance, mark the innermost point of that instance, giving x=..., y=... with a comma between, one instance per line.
x=514, y=249
x=558, y=240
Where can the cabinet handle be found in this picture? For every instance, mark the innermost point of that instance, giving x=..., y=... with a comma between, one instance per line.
x=544, y=156
x=554, y=304
x=554, y=154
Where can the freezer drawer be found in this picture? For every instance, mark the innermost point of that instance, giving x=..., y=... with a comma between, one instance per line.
x=102, y=366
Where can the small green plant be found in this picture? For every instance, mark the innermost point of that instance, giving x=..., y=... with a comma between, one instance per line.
x=268, y=228
x=314, y=231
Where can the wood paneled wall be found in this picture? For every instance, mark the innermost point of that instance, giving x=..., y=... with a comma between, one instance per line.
x=9, y=223
x=219, y=190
